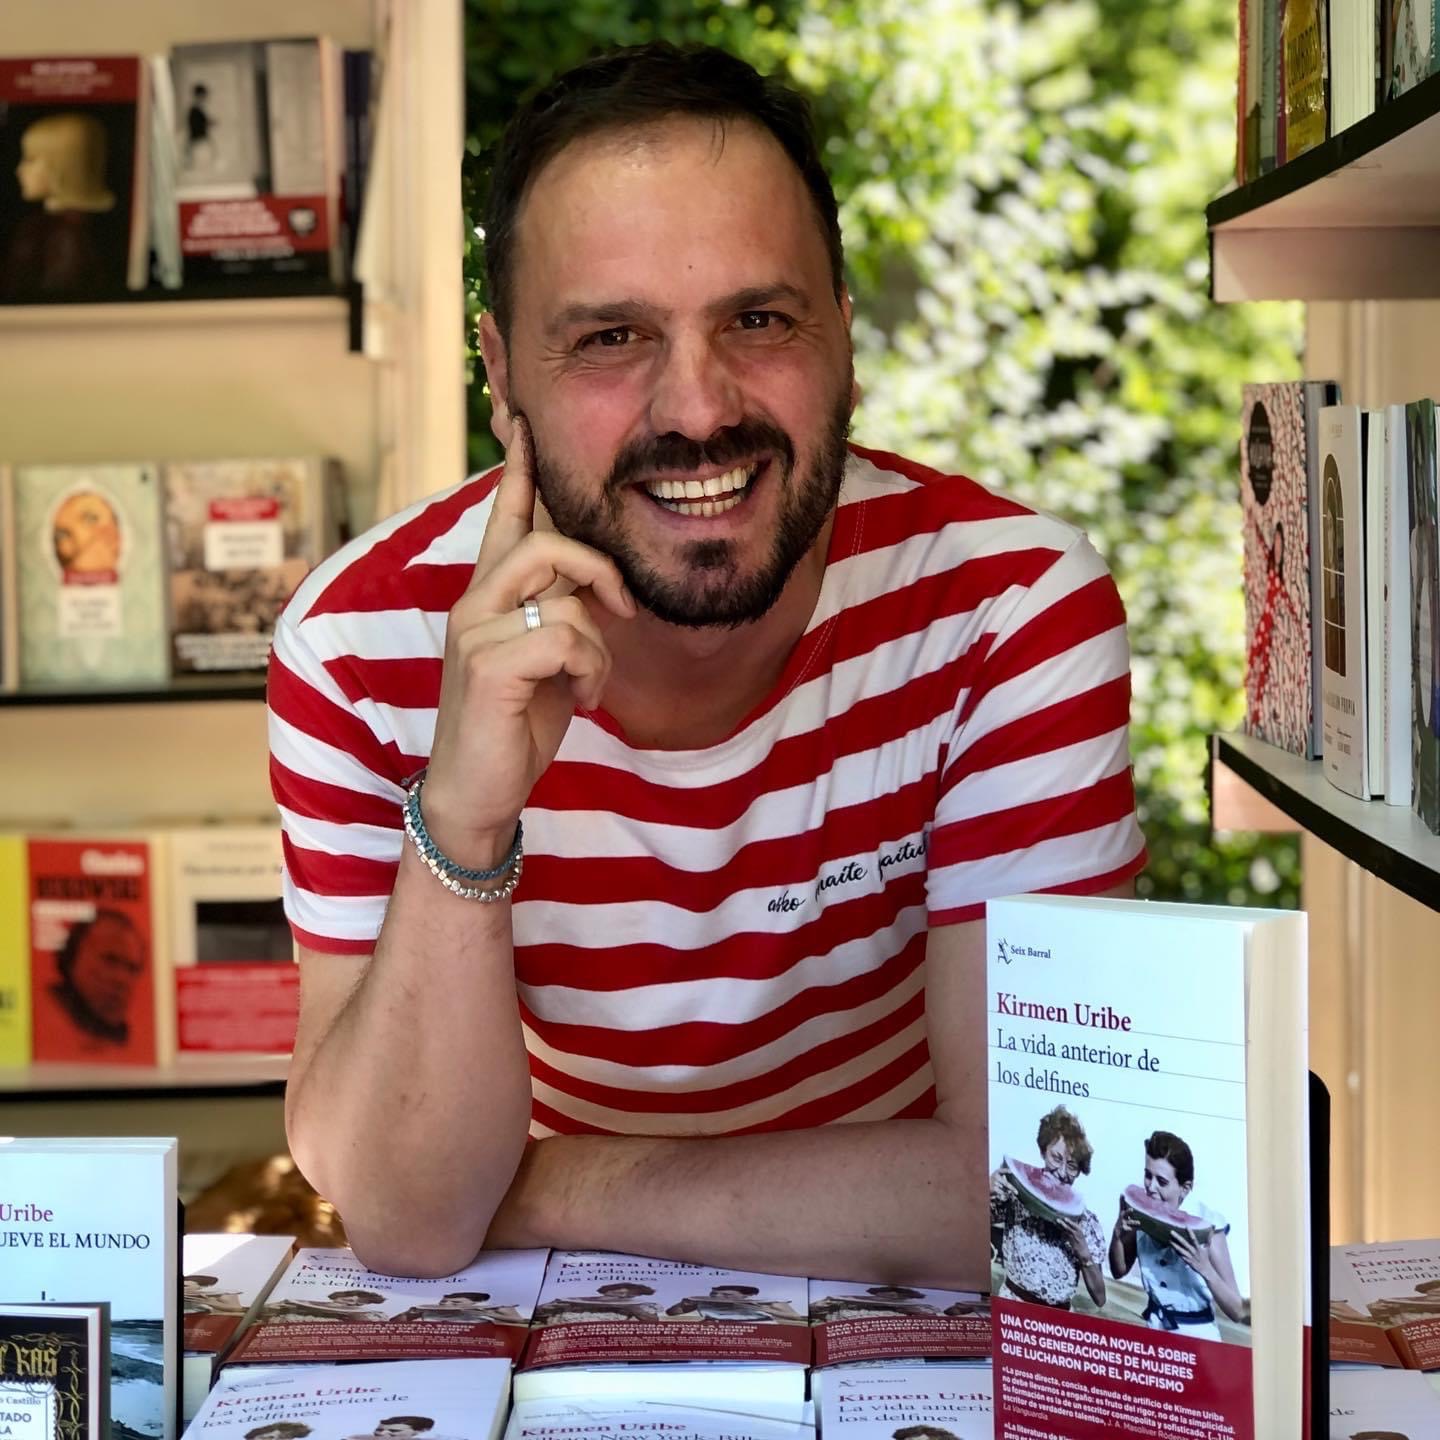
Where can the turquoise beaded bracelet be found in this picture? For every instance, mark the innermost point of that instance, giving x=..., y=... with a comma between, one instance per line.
x=460, y=879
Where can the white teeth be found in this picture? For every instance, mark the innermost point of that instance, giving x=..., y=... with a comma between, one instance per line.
x=731, y=482
x=704, y=508
x=694, y=489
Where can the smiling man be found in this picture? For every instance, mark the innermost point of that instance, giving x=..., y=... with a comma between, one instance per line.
x=764, y=717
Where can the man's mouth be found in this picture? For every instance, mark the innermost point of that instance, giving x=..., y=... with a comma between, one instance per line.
x=712, y=496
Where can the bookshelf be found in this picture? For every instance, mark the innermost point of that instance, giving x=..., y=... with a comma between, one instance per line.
x=1355, y=218
x=184, y=689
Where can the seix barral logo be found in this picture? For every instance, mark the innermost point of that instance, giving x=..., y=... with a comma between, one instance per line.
x=1008, y=952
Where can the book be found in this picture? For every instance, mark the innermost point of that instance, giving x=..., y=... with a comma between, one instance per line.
x=1382, y=1405
x=9, y=630
x=328, y=1307
x=89, y=571
x=1385, y=1304
x=240, y=536
x=1396, y=681
x=1305, y=95
x=1354, y=56
x=55, y=1370
x=1344, y=686
x=258, y=169
x=626, y=1325
x=1279, y=496
x=225, y=1279
x=852, y=1323
x=1269, y=151
x=932, y=1402
x=93, y=958
x=74, y=137
x=237, y=989
x=1375, y=480
x=1170, y=1098
x=454, y=1399
x=84, y=1221
x=14, y=952
x=1413, y=52
x=581, y=1419
x=1424, y=613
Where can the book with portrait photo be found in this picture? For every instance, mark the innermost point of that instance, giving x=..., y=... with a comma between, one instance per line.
x=98, y=978
x=443, y=1399
x=89, y=574
x=327, y=1307
x=96, y=1221
x=74, y=147
x=1148, y=1110
x=852, y=1323
x=225, y=1279
x=907, y=1402
x=635, y=1326
x=1385, y=1304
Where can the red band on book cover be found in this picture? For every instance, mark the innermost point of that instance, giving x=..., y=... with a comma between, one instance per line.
x=94, y=79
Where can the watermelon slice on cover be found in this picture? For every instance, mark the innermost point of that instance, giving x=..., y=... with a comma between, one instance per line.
x=1041, y=1193
x=1159, y=1220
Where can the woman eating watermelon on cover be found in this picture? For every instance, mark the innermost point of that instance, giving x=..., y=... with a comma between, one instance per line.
x=1188, y=1274
x=1049, y=1240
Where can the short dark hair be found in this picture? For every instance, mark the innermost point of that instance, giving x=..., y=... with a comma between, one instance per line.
x=736, y=1289
x=1162, y=1145
x=623, y=1285
x=202, y=1279
x=66, y=956
x=415, y=1422
x=466, y=1295
x=903, y=1291
x=294, y=1429
x=369, y=1295
x=623, y=89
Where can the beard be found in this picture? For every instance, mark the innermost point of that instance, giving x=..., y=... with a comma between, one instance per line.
x=715, y=586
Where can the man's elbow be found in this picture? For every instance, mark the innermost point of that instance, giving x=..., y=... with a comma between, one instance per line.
x=401, y=1251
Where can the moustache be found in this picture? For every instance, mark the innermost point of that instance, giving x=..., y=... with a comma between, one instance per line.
x=673, y=451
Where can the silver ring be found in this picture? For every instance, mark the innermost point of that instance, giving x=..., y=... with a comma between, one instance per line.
x=532, y=614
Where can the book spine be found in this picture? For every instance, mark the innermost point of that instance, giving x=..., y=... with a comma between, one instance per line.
x=1397, y=611
x=14, y=954
x=1269, y=70
x=1373, y=486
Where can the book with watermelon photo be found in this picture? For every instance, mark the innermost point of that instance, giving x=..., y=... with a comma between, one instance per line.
x=1149, y=1169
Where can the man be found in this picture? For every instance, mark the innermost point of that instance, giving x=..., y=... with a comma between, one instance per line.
x=779, y=716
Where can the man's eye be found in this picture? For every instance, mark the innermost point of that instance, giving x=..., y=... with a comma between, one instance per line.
x=613, y=339
x=759, y=320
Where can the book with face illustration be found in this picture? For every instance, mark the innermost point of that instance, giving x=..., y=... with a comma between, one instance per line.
x=854, y=1322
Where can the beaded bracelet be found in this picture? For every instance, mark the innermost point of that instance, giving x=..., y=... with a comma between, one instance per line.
x=453, y=876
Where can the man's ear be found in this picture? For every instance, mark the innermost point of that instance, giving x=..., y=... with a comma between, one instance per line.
x=847, y=314
x=497, y=375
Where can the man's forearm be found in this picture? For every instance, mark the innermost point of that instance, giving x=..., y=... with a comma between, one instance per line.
x=898, y=1201
x=412, y=1112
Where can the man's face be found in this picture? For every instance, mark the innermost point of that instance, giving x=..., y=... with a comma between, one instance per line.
x=108, y=963
x=677, y=348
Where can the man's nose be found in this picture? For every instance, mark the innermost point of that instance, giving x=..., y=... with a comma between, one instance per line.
x=694, y=394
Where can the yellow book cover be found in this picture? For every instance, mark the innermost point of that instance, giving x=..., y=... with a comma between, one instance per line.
x=14, y=953
x=1303, y=40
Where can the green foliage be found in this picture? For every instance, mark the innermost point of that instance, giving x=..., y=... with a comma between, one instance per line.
x=1022, y=189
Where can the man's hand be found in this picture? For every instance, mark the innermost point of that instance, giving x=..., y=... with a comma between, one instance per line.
x=507, y=692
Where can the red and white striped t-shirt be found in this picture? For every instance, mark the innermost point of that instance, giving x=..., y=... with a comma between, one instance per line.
x=730, y=939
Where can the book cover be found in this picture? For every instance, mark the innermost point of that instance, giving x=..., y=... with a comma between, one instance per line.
x=73, y=157
x=240, y=536
x=90, y=575
x=1275, y=503
x=9, y=630
x=237, y=988
x=1271, y=101
x=1345, y=749
x=1413, y=55
x=14, y=952
x=54, y=1371
x=1382, y=1405
x=1424, y=614
x=328, y=1307
x=225, y=1280
x=1385, y=1304
x=253, y=178
x=597, y=1419
x=931, y=1402
x=1396, y=644
x=852, y=1323
x=92, y=950
x=1149, y=1176
x=454, y=1399
x=1376, y=492
x=1304, y=41
x=95, y=1220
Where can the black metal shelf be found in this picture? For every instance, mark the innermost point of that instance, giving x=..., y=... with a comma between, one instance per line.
x=1387, y=840
x=188, y=1079
x=185, y=689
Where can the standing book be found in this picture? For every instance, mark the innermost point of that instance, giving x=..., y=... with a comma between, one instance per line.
x=1395, y=650
x=853, y=1323
x=54, y=1371
x=328, y=1308
x=14, y=952
x=1385, y=1304
x=1148, y=1108
x=1382, y=1405
x=916, y=1402
x=96, y=1221
x=1424, y=613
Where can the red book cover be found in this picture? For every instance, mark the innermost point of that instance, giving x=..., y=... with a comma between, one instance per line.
x=854, y=1323
x=92, y=951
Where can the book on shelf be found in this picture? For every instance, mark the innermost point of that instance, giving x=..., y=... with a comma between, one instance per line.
x=1279, y=494
x=915, y=1402
x=225, y=1280
x=852, y=1323
x=328, y=1307
x=629, y=1326
x=237, y=989
x=54, y=1370
x=1382, y=1405
x=14, y=951
x=96, y=981
x=258, y=159
x=1374, y=480
x=1305, y=94
x=9, y=629
x=1355, y=58
x=1148, y=1121
x=241, y=535
x=452, y=1399
x=597, y=1419
x=1267, y=152
x=1424, y=612
x=89, y=566
x=1385, y=1304
x=1414, y=53
x=74, y=135
x=1396, y=679
x=96, y=1220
